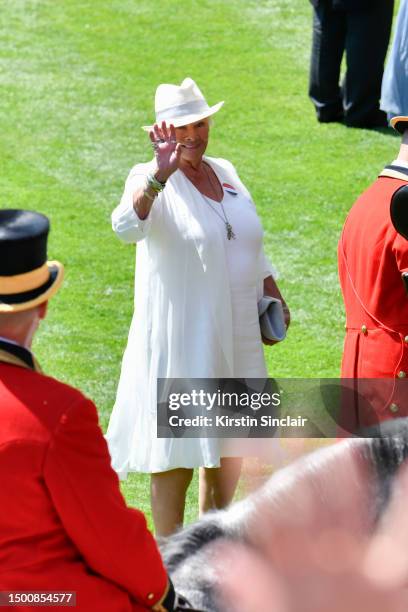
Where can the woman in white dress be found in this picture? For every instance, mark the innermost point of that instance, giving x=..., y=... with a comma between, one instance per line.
x=200, y=271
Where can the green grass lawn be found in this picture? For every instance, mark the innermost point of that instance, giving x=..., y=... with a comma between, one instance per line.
x=77, y=81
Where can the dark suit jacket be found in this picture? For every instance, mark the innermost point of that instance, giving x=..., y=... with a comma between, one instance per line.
x=64, y=524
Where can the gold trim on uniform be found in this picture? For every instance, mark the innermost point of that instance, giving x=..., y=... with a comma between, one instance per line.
x=6, y=357
x=394, y=174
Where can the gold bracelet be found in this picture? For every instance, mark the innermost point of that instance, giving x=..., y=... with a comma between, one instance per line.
x=147, y=194
x=154, y=183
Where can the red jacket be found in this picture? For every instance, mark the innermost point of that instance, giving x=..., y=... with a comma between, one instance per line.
x=372, y=257
x=64, y=524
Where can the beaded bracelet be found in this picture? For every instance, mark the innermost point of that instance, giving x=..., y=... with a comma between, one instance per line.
x=154, y=183
x=150, y=197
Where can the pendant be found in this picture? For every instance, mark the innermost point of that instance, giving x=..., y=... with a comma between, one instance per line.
x=230, y=232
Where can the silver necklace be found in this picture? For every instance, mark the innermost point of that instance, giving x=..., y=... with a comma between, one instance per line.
x=228, y=226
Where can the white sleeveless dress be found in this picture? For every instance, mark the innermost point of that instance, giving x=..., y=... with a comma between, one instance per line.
x=242, y=265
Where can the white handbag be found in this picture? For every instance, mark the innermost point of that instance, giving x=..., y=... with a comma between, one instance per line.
x=271, y=318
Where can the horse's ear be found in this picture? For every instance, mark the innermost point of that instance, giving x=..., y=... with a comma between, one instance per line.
x=399, y=211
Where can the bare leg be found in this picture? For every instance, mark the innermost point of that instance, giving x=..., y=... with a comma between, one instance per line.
x=168, y=496
x=217, y=485
x=205, y=490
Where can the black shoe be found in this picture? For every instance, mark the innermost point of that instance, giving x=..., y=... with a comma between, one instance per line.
x=375, y=119
x=337, y=117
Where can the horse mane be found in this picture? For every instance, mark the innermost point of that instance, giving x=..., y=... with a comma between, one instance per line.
x=188, y=554
x=190, y=540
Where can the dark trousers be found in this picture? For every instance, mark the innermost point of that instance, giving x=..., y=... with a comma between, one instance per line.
x=364, y=36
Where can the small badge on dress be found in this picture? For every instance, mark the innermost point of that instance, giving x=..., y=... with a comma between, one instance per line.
x=230, y=189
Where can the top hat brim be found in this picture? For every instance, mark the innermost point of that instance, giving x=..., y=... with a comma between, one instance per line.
x=25, y=300
x=399, y=123
x=399, y=211
x=186, y=119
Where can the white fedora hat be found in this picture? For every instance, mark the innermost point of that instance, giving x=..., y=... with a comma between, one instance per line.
x=181, y=104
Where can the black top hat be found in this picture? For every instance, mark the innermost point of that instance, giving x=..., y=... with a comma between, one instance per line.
x=399, y=123
x=399, y=211
x=26, y=277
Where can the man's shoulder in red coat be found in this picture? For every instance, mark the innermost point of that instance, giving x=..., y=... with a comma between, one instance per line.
x=64, y=524
x=372, y=257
